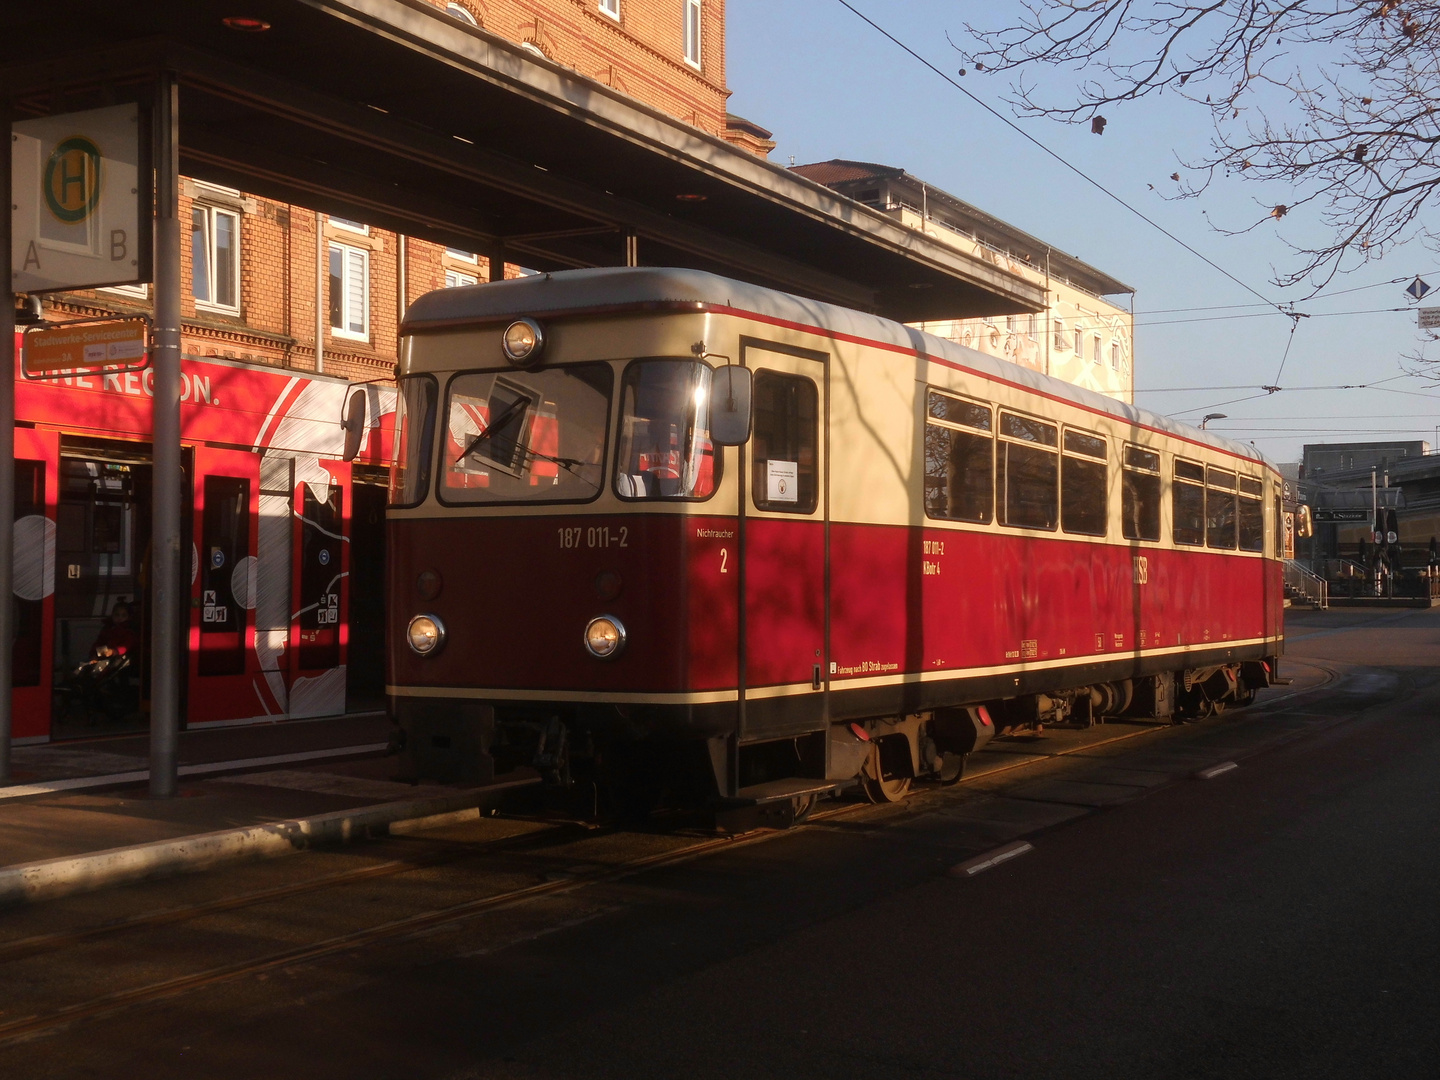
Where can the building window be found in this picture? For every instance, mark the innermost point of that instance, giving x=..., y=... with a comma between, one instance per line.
x=1079, y=344
x=1060, y=338
x=350, y=225
x=611, y=8
x=1115, y=355
x=349, y=292
x=139, y=292
x=454, y=278
x=215, y=258
x=692, y=32
x=458, y=12
x=1097, y=348
x=463, y=256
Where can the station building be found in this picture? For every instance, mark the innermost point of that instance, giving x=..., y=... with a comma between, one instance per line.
x=1084, y=336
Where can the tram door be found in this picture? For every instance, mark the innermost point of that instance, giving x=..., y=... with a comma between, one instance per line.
x=224, y=667
x=320, y=567
x=37, y=463
x=787, y=505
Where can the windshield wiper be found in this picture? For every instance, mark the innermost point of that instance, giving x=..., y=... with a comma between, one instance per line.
x=516, y=406
x=569, y=464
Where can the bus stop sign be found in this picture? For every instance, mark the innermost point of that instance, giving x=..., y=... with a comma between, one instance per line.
x=78, y=192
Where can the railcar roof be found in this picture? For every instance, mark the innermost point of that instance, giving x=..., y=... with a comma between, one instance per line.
x=597, y=290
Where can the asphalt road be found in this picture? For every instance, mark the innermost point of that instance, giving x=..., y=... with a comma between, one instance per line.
x=1278, y=920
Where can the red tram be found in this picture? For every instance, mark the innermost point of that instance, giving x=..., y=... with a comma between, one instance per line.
x=280, y=525
x=649, y=513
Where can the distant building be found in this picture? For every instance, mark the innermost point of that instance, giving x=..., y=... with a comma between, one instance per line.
x=1344, y=482
x=1082, y=337
x=1330, y=459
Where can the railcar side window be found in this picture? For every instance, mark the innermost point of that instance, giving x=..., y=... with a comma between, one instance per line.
x=787, y=424
x=1027, y=470
x=533, y=436
x=665, y=450
x=414, y=437
x=1187, y=498
x=959, y=459
x=1140, y=495
x=1220, y=508
x=1084, y=485
x=1252, y=515
x=1280, y=529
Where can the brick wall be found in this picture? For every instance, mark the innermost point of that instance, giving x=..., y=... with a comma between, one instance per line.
x=640, y=54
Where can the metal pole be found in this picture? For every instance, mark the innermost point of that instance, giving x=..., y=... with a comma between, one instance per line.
x=165, y=587
x=7, y=466
x=322, y=249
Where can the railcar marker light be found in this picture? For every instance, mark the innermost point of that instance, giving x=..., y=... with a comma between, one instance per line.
x=981, y=863
x=604, y=637
x=426, y=633
x=1216, y=770
x=523, y=342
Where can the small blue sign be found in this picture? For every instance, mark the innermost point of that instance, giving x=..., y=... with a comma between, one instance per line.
x=324, y=556
x=1418, y=288
x=217, y=558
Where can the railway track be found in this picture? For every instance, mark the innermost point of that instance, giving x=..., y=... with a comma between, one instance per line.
x=441, y=853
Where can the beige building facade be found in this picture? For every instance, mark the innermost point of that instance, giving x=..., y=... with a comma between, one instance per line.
x=1086, y=336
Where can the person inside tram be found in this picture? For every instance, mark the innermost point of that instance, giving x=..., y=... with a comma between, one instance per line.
x=118, y=638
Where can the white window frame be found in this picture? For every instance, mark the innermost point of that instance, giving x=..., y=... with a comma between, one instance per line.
x=463, y=256
x=611, y=8
x=1079, y=343
x=349, y=225
x=139, y=292
x=343, y=331
x=455, y=279
x=211, y=211
x=691, y=16
x=1099, y=359
x=1115, y=356
x=463, y=14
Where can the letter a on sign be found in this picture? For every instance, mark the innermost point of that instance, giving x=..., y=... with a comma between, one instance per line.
x=78, y=197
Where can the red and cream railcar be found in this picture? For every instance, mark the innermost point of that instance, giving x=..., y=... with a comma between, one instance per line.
x=915, y=544
x=278, y=527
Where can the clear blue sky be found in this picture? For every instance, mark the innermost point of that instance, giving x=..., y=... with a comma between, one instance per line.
x=829, y=86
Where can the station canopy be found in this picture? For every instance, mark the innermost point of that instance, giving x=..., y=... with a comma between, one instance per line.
x=392, y=113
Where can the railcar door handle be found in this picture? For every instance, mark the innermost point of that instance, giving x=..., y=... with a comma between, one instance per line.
x=815, y=677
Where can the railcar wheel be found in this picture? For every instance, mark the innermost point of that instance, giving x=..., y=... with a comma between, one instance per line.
x=952, y=768
x=880, y=787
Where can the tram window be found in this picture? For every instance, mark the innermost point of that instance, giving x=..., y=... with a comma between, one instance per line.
x=1084, y=484
x=1220, y=513
x=414, y=438
x=959, y=459
x=225, y=544
x=1028, y=471
x=784, y=476
x=532, y=437
x=1140, y=495
x=1252, y=524
x=1279, y=528
x=665, y=450
x=1187, y=499
x=321, y=559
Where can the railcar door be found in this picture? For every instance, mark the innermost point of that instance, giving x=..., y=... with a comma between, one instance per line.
x=322, y=562
x=785, y=544
x=224, y=668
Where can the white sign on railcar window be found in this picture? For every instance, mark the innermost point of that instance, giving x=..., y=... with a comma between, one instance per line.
x=782, y=481
x=77, y=198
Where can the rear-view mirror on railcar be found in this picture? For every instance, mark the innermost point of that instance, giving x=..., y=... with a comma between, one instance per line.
x=730, y=406
x=354, y=425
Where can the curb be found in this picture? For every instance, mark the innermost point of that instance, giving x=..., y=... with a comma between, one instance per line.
x=49, y=879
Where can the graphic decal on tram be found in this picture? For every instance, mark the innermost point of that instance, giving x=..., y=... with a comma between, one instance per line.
x=272, y=506
x=723, y=531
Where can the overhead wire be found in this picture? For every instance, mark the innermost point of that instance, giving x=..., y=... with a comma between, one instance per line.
x=1059, y=158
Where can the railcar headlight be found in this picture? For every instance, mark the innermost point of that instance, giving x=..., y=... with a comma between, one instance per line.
x=604, y=637
x=426, y=634
x=524, y=341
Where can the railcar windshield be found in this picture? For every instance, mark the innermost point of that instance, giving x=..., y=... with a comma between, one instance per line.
x=526, y=436
x=665, y=450
x=414, y=435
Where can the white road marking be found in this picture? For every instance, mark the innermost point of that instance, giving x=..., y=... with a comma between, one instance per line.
x=981, y=863
x=1216, y=770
